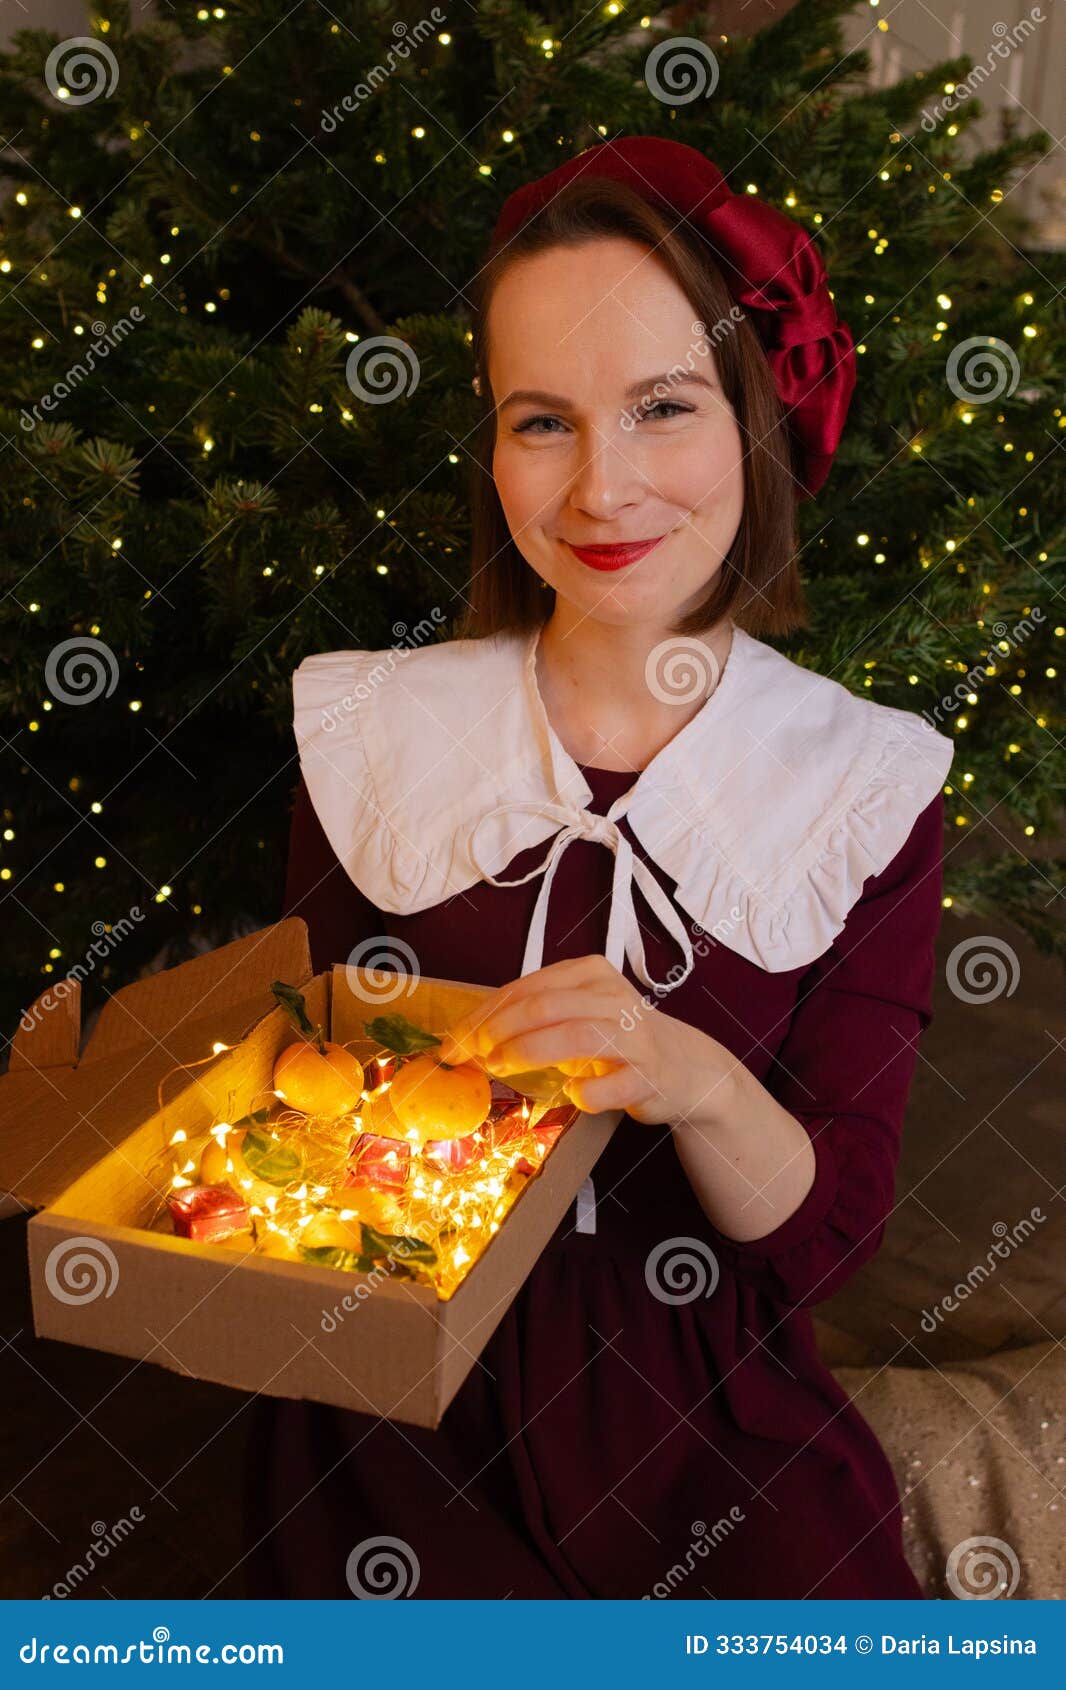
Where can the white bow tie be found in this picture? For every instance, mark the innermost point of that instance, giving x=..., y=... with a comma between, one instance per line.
x=624, y=937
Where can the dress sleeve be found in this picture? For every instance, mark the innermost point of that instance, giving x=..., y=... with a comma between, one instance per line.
x=317, y=888
x=844, y=1071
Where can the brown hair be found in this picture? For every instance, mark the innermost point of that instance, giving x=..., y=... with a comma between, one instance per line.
x=759, y=583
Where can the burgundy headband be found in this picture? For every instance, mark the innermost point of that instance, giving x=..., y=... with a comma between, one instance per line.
x=770, y=265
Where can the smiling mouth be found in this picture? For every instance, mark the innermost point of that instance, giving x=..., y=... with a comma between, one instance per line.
x=613, y=557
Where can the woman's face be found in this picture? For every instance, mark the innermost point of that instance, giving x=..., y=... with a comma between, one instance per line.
x=612, y=427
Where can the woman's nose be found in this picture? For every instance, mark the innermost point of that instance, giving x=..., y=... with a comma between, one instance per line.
x=608, y=477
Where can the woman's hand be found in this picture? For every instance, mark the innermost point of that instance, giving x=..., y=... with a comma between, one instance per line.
x=584, y=1016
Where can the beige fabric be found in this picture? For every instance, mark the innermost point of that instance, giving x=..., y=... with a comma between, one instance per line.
x=979, y=1451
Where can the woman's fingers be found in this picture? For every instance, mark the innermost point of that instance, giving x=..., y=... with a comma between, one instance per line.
x=469, y=1038
x=566, y=1013
x=463, y=1042
x=546, y=1008
x=572, y=1040
x=626, y=1088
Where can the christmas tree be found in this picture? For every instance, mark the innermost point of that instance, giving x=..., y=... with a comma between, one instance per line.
x=231, y=234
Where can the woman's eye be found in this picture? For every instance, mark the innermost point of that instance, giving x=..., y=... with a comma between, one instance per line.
x=527, y=426
x=665, y=408
x=663, y=411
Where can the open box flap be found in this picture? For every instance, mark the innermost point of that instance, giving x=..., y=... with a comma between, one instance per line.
x=59, y=1117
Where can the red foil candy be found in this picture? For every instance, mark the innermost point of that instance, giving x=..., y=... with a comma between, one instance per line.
x=505, y=1128
x=504, y=1097
x=378, y=1161
x=506, y=1118
x=560, y=1116
x=204, y=1212
x=553, y=1122
x=379, y=1069
x=452, y=1155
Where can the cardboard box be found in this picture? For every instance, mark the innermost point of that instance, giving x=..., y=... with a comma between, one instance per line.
x=78, y=1132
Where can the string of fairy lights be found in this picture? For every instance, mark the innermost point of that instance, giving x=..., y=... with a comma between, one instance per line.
x=451, y=1196
x=29, y=202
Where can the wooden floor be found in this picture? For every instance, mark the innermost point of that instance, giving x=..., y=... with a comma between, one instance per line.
x=85, y=1437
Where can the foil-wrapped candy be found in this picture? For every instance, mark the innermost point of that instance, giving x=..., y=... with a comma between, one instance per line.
x=207, y=1212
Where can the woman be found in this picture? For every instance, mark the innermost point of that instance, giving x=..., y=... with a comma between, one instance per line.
x=674, y=851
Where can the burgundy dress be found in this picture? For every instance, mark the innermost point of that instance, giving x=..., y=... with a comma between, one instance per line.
x=609, y=1444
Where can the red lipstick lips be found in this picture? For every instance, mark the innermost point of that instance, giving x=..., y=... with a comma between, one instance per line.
x=613, y=557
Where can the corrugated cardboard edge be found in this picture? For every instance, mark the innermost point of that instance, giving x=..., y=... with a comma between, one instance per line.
x=248, y=1323
x=56, y=1120
x=261, y=1325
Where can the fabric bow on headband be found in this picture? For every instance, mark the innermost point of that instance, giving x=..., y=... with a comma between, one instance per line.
x=769, y=263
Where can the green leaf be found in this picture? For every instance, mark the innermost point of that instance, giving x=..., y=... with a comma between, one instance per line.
x=543, y=1085
x=399, y=1035
x=394, y=1244
x=256, y=1115
x=331, y=1255
x=292, y=1002
x=268, y=1160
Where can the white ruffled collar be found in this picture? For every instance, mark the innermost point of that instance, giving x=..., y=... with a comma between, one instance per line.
x=431, y=768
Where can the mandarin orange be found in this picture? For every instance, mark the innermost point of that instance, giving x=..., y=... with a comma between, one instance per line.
x=431, y=1100
x=318, y=1083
